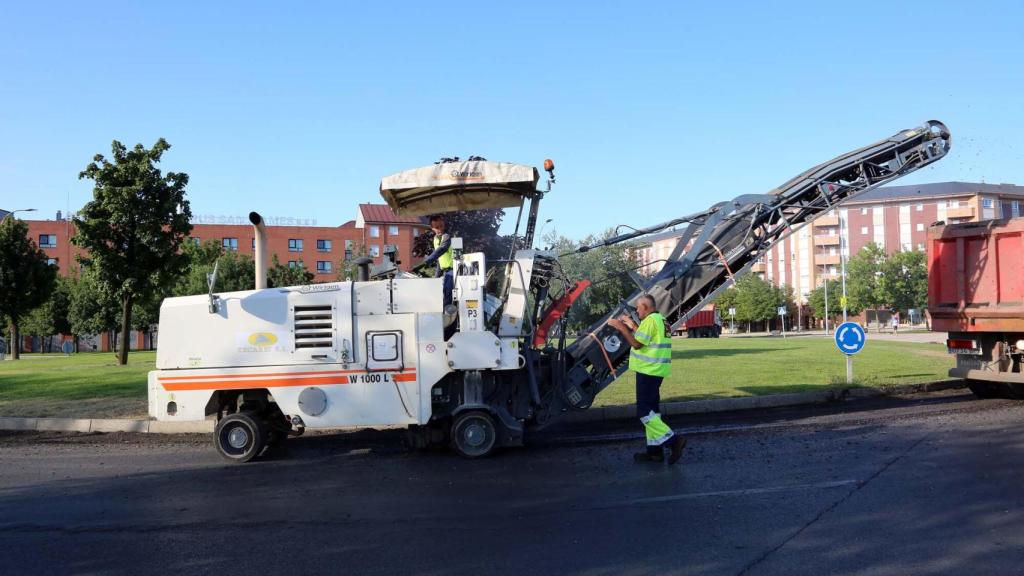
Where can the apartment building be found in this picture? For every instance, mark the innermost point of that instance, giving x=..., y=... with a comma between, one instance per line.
x=319, y=248
x=895, y=217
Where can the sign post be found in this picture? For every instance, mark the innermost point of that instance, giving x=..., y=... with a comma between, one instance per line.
x=782, y=319
x=850, y=339
x=732, y=319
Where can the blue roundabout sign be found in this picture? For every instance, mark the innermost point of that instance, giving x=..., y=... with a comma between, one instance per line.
x=850, y=338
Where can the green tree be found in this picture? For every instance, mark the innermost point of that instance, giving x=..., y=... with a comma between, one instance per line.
x=903, y=282
x=133, y=228
x=863, y=273
x=606, y=267
x=235, y=271
x=347, y=269
x=816, y=300
x=26, y=280
x=51, y=318
x=756, y=299
x=281, y=275
x=91, y=309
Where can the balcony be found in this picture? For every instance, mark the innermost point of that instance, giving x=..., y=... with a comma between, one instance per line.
x=823, y=259
x=962, y=212
x=823, y=221
x=826, y=240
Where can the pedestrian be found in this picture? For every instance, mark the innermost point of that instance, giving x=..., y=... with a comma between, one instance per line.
x=895, y=322
x=442, y=255
x=651, y=359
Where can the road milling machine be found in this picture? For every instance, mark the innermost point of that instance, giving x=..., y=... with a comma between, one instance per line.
x=383, y=350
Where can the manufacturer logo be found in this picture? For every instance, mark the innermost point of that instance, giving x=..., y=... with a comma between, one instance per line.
x=430, y=348
x=261, y=339
x=313, y=288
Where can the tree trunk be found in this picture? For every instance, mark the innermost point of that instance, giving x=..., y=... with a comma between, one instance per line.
x=126, y=328
x=15, y=345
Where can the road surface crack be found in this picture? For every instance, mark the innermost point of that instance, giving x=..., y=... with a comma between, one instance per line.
x=857, y=488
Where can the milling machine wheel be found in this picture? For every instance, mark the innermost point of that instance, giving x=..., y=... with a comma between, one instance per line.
x=240, y=437
x=474, y=434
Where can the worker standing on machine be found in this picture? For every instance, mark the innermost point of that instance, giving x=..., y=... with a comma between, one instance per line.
x=442, y=255
x=651, y=359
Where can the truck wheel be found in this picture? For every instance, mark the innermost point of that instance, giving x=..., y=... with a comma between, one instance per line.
x=474, y=434
x=240, y=437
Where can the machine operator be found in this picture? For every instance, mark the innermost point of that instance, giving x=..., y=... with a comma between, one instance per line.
x=442, y=255
x=651, y=359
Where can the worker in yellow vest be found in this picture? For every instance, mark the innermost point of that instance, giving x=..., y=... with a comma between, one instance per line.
x=651, y=359
x=442, y=255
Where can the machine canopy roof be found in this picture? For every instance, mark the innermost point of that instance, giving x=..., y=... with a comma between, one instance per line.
x=458, y=186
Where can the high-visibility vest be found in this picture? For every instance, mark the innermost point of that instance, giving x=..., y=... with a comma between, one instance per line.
x=655, y=358
x=445, y=260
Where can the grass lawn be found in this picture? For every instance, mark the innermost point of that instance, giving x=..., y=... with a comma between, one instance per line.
x=92, y=384
x=728, y=367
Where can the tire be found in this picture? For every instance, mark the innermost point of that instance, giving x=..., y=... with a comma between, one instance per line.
x=474, y=434
x=240, y=437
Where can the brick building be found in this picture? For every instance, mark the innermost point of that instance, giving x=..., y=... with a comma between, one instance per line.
x=320, y=249
x=895, y=217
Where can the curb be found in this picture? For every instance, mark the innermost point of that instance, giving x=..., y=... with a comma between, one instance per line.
x=603, y=414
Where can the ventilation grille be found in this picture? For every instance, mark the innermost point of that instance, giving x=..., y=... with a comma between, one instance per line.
x=314, y=327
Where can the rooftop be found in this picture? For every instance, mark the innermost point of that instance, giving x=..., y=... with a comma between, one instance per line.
x=382, y=213
x=937, y=189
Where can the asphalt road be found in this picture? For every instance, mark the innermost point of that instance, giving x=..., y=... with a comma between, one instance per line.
x=923, y=485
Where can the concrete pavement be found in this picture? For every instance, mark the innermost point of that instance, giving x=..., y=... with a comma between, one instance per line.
x=911, y=485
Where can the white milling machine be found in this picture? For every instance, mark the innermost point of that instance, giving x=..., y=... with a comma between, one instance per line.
x=267, y=363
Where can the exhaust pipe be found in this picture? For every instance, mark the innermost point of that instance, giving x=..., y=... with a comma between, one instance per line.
x=261, y=249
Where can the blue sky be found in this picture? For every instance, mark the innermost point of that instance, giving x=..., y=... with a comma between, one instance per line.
x=650, y=110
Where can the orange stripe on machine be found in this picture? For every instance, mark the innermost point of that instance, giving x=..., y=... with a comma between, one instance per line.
x=242, y=381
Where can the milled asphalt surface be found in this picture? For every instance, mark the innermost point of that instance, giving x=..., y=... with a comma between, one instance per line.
x=929, y=484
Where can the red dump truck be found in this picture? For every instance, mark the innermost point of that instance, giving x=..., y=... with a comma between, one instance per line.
x=976, y=294
x=704, y=324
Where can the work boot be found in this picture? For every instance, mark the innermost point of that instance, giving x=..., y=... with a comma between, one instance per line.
x=653, y=454
x=676, y=449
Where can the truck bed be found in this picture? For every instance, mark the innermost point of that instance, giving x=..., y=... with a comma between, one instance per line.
x=976, y=276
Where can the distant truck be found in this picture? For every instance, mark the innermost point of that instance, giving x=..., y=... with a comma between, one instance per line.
x=976, y=294
x=704, y=324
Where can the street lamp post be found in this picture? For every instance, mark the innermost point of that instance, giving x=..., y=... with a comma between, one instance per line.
x=13, y=212
x=540, y=235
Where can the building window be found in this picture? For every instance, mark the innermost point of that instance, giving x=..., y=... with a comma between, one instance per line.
x=254, y=244
x=920, y=247
x=47, y=240
x=863, y=229
x=392, y=230
x=374, y=250
x=920, y=207
x=293, y=264
x=374, y=231
x=1015, y=209
x=415, y=233
x=952, y=203
x=195, y=241
x=863, y=211
x=323, y=245
x=920, y=227
x=987, y=203
x=295, y=245
x=52, y=261
x=230, y=244
x=323, y=266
